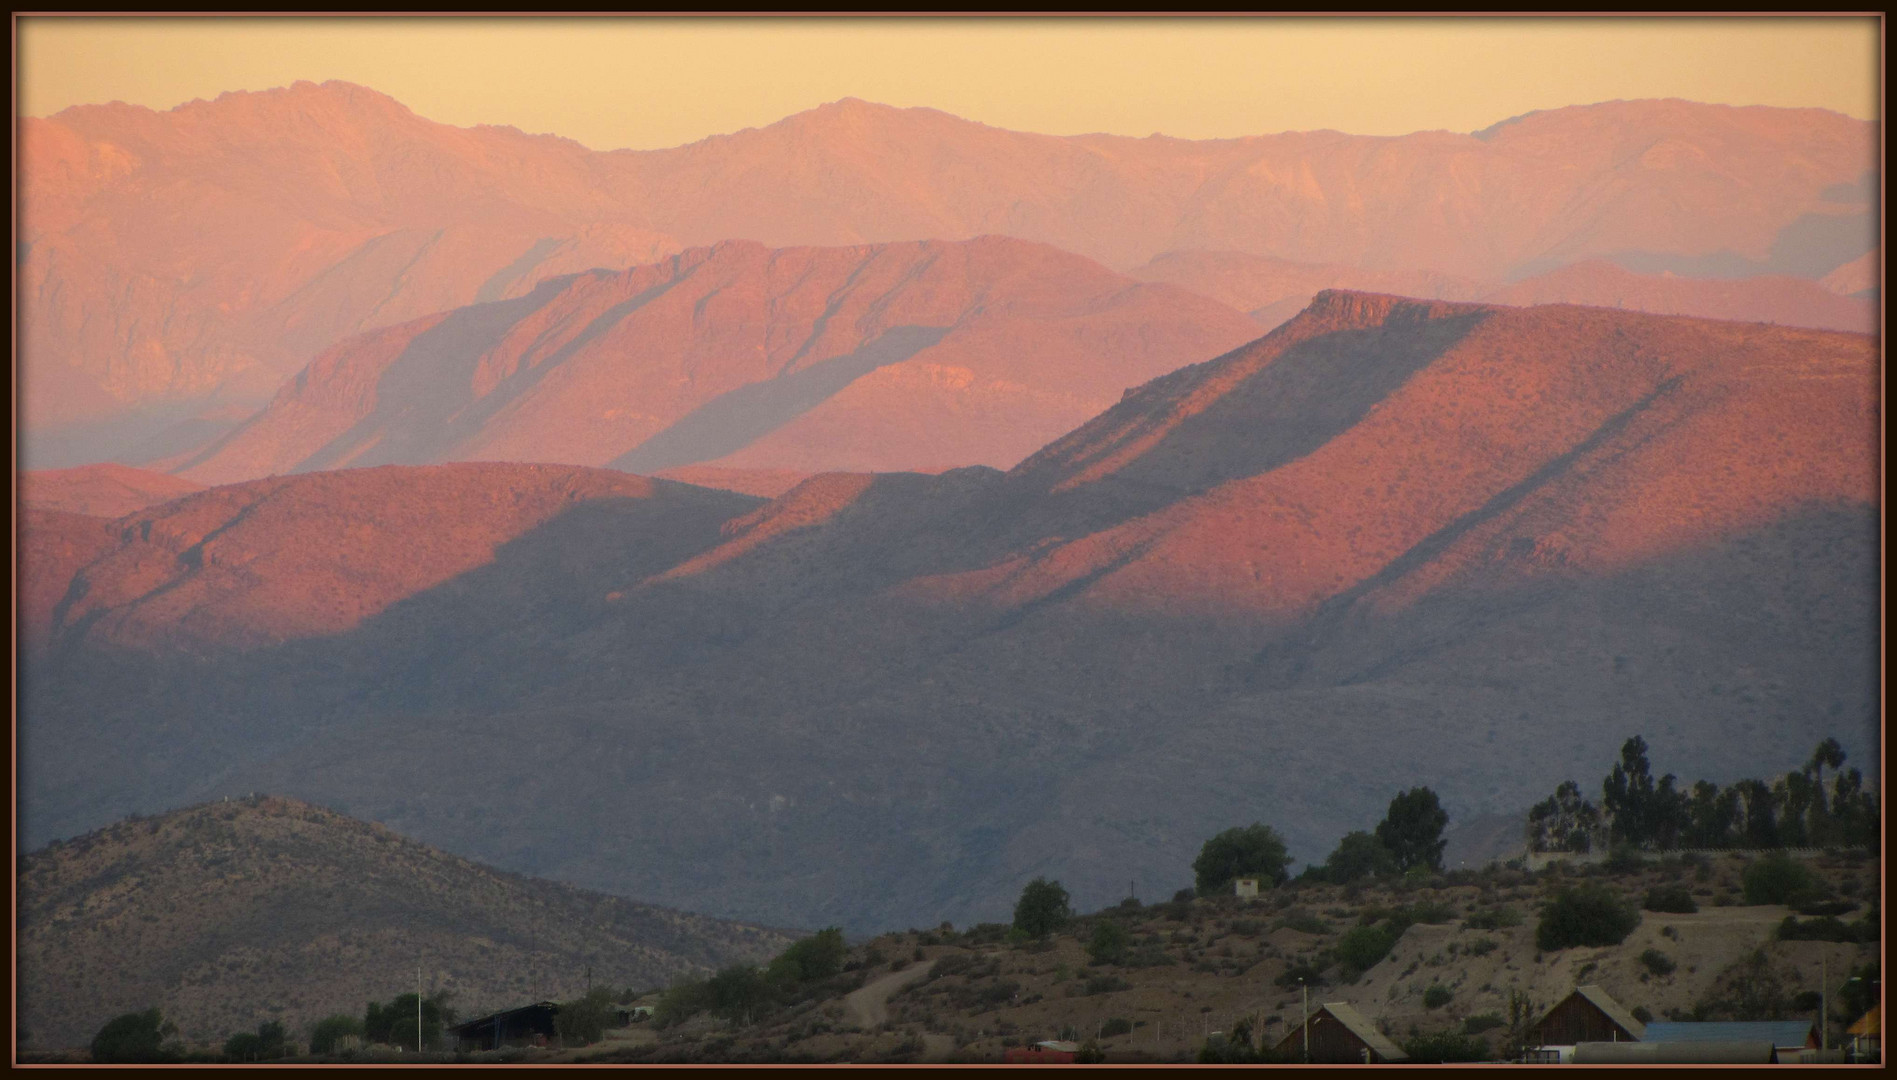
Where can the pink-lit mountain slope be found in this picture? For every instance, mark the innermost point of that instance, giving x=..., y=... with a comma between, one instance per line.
x=893, y=356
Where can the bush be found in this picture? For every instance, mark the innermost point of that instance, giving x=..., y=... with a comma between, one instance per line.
x=330, y=1031
x=1436, y=996
x=1476, y=1025
x=1432, y=912
x=1184, y=896
x=1777, y=878
x=1826, y=928
x=1589, y=915
x=1254, y=850
x=1657, y=962
x=1118, y=1025
x=1042, y=909
x=1444, y=1046
x=1107, y=984
x=1482, y=946
x=1670, y=899
x=1829, y=907
x=682, y=1002
x=134, y=1038
x=1643, y=1014
x=1624, y=860
x=1109, y=943
x=1363, y=947
x=1495, y=918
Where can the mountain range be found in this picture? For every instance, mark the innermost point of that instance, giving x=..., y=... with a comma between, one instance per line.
x=176, y=267
x=1394, y=541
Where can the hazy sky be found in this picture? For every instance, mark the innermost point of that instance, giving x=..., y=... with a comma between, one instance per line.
x=660, y=82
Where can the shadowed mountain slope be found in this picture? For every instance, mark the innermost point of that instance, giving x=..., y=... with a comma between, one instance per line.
x=1394, y=542
x=232, y=913
x=742, y=357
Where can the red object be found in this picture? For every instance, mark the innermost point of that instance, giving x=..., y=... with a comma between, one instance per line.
x=1029, y=1055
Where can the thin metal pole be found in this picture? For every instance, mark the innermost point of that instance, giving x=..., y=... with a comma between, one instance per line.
x=1305, y=992
x=418, y=1008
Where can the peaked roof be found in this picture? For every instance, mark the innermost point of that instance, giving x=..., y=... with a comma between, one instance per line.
x=1612, y=1009
x=1871, y=1023
x=1780, y=1032
x=1360, y=1026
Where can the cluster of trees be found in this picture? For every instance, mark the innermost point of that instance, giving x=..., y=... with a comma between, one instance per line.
x=1408, y=839
x=743, y=992
x=1638, y=810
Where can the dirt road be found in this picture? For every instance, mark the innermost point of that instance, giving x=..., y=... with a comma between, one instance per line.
x=868, y=1008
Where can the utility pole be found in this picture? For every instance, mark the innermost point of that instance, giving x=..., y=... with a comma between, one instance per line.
x=1305, y=993
x=418, y=1008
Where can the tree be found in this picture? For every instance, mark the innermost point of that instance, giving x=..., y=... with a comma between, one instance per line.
x=1761, y=814
x=1642, y=812
x=1042, y=909
x=1712, y=816
x=1359, y=855
x=1413, y=829
x=1565, y=821
x=584, y=1022
x=811, y=959
x=739, y=992
x=1252, y=850
x=327, y=1036
x=393, y=1024
x=134, y=1038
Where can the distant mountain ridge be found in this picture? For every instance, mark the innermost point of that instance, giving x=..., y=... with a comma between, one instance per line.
x=738, y=356
x=235, y=912
x=1393, y=542
x=177, y=263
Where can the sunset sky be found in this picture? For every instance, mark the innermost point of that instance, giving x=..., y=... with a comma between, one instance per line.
x=660, y=82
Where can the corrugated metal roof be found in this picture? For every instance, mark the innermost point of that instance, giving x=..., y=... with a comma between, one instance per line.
x=1782, y=1033
x=1744, y=1052
x=1605, y=1002
x=1361, y=1027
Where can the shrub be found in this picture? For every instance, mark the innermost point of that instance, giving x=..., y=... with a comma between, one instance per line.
x=1671, y=899
x=682, y=1002
x=1304, y=923
x=1109, y=944
x=134, y=1038
x=1042, y=909
x=1476, y=1025
x=1585, y=915
x=1363, y=947
x=1184, y=896
x=1118, y=1025
x=1777, y=878
x=1623, y=860
x=1481, y=946
x=1444, y=1046
x=1107, y=984
x=1643, y=1014
x=1828, y=907
x=1432, y=912
x=1495, y=918
x=1436, y=996
x=1657, y=962
x=330, y=1031
x=1826, y=928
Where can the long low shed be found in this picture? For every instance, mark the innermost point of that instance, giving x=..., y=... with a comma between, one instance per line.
x=1750, y=1052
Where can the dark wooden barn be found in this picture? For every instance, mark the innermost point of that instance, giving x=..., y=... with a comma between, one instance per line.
x=1588, y=1015
x=511, y=1027
x=1340, y=1035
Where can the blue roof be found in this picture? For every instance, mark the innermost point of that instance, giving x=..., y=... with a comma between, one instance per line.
x=1780, y=1032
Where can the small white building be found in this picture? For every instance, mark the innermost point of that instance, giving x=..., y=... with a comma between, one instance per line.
x=1246, y=887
